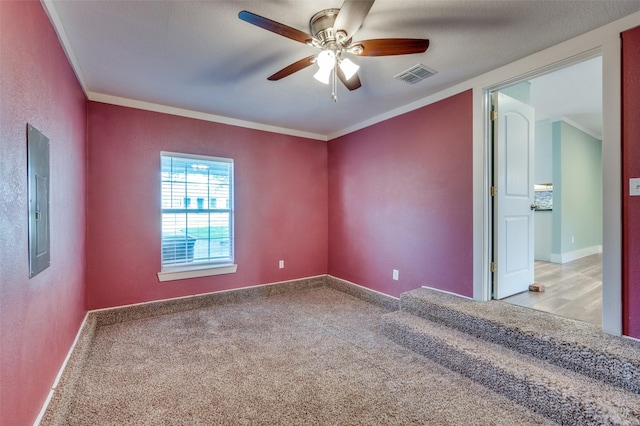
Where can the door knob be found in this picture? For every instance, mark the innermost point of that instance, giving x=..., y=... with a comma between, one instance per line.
x=533, y=207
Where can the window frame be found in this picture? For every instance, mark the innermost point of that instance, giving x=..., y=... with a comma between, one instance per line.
x=198, y=269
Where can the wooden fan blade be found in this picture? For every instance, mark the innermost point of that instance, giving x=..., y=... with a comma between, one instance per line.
x=351, y=16
x=274, y=27
x=391, y=46
x=352, y=84
x=294, y=67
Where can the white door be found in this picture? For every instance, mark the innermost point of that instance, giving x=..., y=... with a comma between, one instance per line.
x=513, y=205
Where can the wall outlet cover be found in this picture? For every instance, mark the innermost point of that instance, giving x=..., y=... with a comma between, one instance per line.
x=634, y=187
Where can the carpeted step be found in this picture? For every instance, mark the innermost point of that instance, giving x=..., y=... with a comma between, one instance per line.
x=561, y=395
x=574, y=345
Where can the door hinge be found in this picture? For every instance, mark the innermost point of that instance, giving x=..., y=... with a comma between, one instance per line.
x=493, y=115
x=494, y=191
x=494, y=267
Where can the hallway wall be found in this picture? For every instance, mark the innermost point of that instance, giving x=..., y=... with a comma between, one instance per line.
x=577, y=193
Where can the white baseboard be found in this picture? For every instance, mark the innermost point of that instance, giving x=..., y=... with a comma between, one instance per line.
x=363, y=287
x=447, y=292
x=195, y=295
x=59, y=375
x=576, y=254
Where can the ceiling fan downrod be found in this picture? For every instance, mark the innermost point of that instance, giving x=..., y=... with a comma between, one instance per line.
x=334, y=85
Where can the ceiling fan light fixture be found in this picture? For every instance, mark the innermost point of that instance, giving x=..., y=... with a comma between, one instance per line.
x=323, y=75
x=326, y=62
x=348, y=68
x=326, y=59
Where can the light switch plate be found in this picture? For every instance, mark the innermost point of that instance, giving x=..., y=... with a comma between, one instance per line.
x=634, y=186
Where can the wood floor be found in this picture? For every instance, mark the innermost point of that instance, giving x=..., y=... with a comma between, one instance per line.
x=572, y=289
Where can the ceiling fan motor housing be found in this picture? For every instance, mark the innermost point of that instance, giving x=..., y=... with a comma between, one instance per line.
x=321, y=26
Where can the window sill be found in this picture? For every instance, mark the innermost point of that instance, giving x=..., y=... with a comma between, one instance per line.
x=191, y=272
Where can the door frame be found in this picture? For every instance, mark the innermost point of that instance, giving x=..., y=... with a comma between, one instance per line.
x=608, y=46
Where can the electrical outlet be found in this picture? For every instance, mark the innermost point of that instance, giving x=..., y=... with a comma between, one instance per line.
x=396, y=274
x=281, y=264
x=573, y=239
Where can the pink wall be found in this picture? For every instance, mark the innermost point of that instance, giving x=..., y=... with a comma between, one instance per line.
x=39, y=317
x=631, y=169
x=400, y=197
x=280, y=203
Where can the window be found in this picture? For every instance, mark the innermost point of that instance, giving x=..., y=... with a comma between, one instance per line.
x=197, y=216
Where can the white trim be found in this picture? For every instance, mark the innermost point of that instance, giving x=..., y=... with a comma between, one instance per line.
x=444, y=94
x=73, y=346
x=204, y=294
x=574, y=255
x=571, y=123
x=581, y=128
x=448, y=292
x=64, y=42
x=181, y=112
x=481, y=186
x=44, y=408
x=612, y=185
x=191, y=272
x=363, y=287
x=60, y=372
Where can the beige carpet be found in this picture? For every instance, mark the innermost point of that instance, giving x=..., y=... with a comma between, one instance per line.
x=314, y=356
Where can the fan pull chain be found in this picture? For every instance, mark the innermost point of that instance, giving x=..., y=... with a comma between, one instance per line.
x=334, y=85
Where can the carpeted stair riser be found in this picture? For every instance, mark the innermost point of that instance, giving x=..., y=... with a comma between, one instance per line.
x=609, y=368
x=562, y=396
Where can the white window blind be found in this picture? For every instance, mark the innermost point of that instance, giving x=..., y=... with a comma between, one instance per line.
x=197, y=211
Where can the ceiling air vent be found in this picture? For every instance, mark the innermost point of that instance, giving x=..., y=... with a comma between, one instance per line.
x=415, y=74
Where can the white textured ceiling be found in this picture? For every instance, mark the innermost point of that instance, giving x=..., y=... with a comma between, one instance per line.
x=197, y=55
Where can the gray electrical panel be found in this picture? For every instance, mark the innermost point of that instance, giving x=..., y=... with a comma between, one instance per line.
x=38, y=171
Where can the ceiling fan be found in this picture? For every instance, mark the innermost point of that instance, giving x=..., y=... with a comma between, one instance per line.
x=332, y=32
